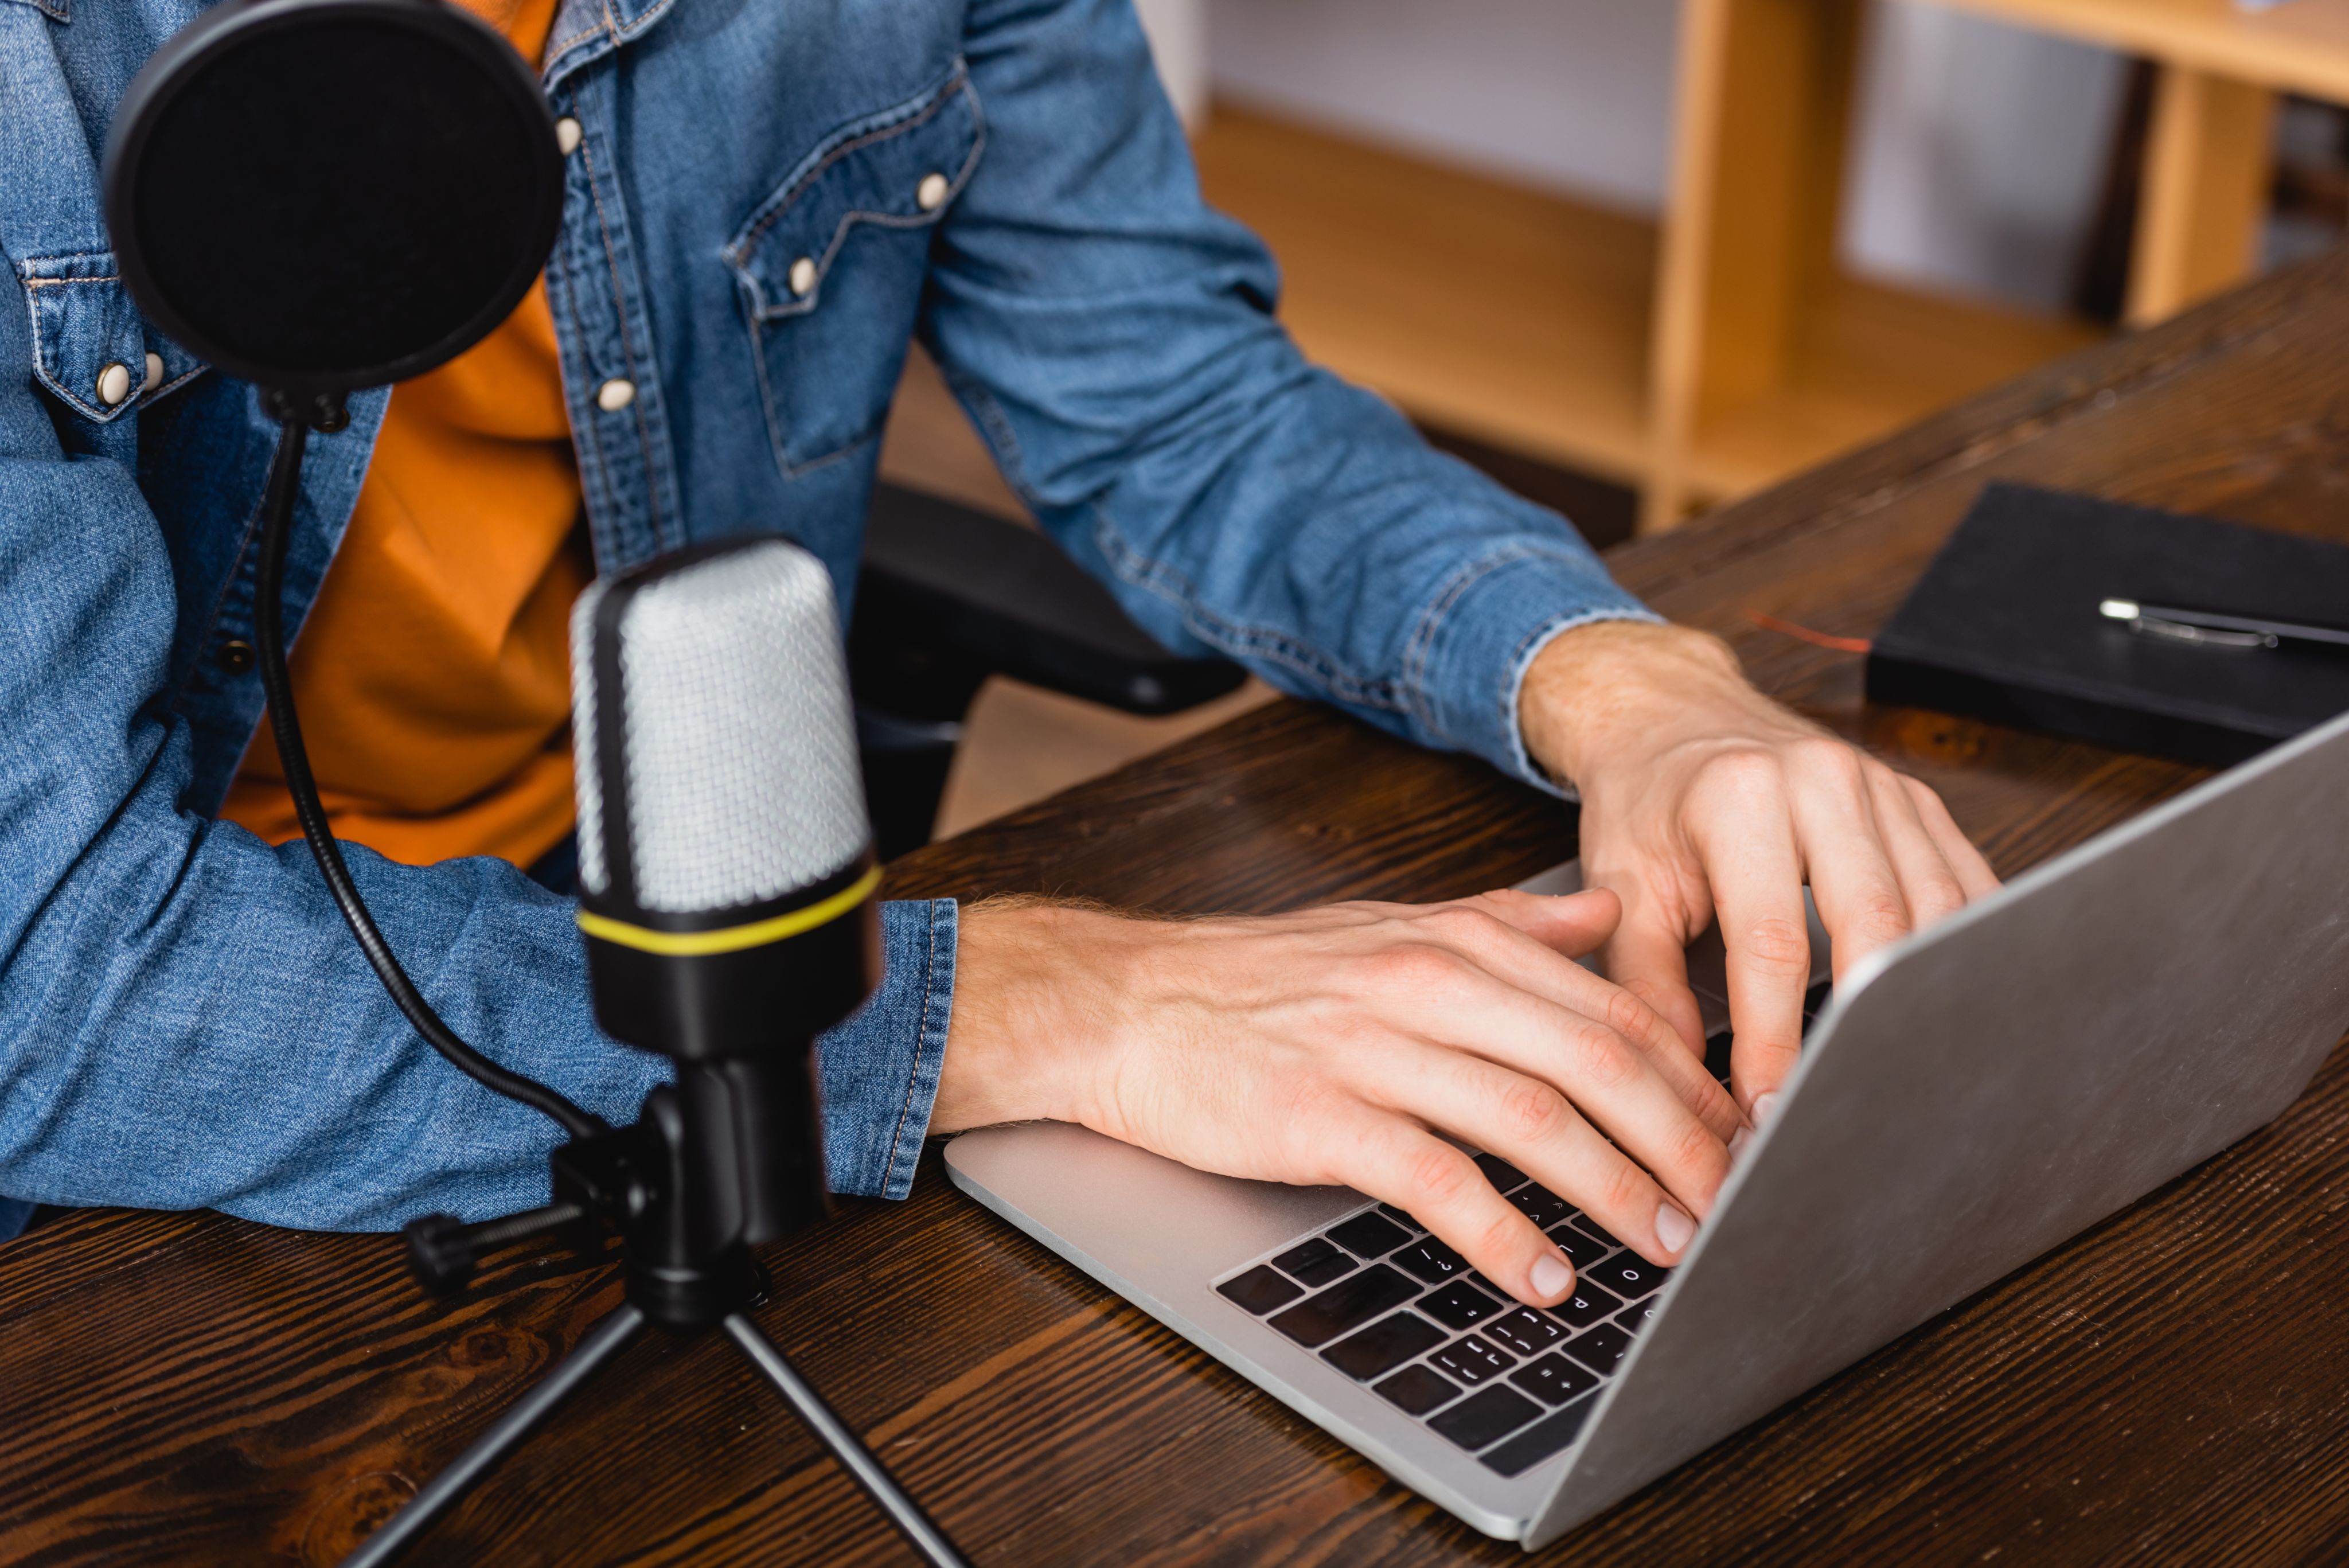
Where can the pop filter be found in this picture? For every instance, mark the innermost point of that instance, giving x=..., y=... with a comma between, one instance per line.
x=322, y=195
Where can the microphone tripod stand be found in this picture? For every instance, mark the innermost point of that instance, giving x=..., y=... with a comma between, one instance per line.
x=664, y=1181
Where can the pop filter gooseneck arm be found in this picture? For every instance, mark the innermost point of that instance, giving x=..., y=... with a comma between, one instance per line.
x=318, y=196
x=269, y=638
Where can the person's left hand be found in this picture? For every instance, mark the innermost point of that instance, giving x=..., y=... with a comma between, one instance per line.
x=1703, y=800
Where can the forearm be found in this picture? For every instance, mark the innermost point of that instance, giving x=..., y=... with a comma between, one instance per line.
x=188, y=1024
x=1114, y=340
x=238, y=1043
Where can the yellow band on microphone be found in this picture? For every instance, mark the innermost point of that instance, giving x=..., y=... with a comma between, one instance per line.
x=732, y=938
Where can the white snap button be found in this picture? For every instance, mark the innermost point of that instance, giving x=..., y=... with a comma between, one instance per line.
x=566, y=135
x=615, y=394
x=931, y=193
x=803, y=276
x=154, y=373
x=113, y=384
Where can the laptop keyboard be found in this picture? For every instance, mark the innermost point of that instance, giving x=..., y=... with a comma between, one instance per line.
x=1377, y=1297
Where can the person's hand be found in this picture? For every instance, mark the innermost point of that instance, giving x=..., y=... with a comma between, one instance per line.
x=1336, y=1044
x=1703, y=800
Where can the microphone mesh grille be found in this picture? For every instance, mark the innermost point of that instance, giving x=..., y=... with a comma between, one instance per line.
x=587, y=778
x=739, y=748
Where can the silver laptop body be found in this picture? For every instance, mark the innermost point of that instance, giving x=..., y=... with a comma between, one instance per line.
x=1967, y=1100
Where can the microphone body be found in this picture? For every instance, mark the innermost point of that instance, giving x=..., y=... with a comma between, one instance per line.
x=726, y=873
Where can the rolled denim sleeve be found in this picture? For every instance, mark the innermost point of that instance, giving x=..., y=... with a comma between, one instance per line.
x=1115, y=341
x=881, y=1067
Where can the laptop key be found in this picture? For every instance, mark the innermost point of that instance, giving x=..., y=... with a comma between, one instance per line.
x=1601, y=1349
x=1315, y=1262
x=1431, y=1261
x=1383, y=1347
x=1482, y=1419
x=1458, y=1306
x=1587, y=1305
x=1348, y=1304
x=1637, y=1317
x=1260, y=1289
x=1368, y=1236
x=1473, y=1361
x=1540, y=1205
x=1524, y=1331
x=1505, y=1177
x=1716, y=1056
x=1579, y=1250
x=1416, y=1390
x=1401, y=1218
x=1596, y=1231
x=1630, y=1276
x=1538, y=1441
x=1554, y=1379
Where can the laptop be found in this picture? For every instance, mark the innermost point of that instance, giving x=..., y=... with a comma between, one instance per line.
x=1966, y=1101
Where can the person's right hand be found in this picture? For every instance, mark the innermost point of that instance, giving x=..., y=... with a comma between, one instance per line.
x=1335, y=1045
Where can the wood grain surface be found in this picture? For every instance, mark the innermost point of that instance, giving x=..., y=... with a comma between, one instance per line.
x=2168, y=1387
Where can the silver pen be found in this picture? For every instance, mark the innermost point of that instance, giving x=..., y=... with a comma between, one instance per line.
x=2213, y=628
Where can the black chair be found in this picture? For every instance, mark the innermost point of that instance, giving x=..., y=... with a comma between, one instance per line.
x=949, y=595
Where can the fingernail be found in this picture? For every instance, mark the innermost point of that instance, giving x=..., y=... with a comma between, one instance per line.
x=1551, y=1276
x=1673, y=1228
x=1765, y=1106
x=1738, y=1140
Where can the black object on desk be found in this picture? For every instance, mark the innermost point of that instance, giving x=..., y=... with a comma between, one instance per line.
x=2007, y=625
x=948, y=596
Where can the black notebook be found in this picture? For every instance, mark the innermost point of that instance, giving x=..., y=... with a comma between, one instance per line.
x=2003, y=627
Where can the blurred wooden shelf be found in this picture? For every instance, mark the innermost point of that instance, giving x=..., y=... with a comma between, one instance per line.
x=2209, y=161
x=2301, y=47
x=1528, y=320
x=1866, y=359
x=1722, y=350
x=1506, y=315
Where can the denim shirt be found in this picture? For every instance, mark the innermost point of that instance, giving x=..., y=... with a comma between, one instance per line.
x=751, y=234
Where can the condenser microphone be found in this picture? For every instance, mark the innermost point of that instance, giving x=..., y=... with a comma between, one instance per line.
x=726, y=866
x=726, y=894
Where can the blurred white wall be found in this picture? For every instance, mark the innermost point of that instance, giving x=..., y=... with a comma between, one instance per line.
x=1178, y=42
x=1573, y=94
x=1979, y=149
x=1980, y=155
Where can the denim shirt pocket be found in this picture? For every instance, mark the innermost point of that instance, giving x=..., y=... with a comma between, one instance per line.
x=84, y=324
x=830, y=267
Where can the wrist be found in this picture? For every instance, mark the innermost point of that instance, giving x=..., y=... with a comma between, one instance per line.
x=1032, y=1012
x=1595, y=689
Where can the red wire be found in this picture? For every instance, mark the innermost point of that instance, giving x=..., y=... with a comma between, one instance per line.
x=1805, y=634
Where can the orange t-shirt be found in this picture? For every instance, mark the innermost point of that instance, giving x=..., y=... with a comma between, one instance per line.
x=432, y=673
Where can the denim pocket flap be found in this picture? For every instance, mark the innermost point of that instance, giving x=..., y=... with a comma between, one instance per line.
x=900, y=169
x=90, y=345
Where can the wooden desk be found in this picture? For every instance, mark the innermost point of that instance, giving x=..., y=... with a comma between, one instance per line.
x=188, y=1388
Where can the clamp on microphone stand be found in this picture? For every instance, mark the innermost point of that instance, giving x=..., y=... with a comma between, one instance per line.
x=658, y=1181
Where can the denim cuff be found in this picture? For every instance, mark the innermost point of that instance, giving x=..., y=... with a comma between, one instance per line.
x=1483, y=632
x=880, y=1069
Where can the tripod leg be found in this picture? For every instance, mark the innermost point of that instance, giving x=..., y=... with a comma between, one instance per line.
x=809, y=1406
x=600, y=1343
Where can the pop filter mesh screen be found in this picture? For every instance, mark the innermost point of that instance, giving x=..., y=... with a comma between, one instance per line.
x=342, y=198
